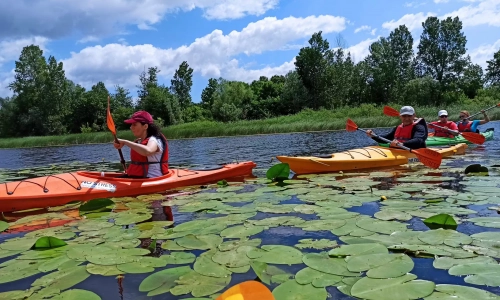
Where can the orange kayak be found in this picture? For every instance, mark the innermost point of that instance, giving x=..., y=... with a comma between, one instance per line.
x=362, y=158
x=55, y=190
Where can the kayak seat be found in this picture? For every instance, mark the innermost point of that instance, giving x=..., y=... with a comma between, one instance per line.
x=323, y=156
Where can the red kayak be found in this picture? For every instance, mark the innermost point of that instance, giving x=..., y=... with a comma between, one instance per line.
x=55, y=190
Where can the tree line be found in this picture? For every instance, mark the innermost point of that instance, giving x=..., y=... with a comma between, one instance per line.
x=440, y=73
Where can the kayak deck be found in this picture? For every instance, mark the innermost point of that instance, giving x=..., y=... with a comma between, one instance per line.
x=55, y=190
x=361, y=158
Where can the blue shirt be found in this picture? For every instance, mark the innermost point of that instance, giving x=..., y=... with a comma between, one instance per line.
x=474, y=125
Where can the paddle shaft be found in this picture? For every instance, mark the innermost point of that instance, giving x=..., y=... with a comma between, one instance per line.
x=385, y=140
x=481, y=112
x=122, y=159
x=450, y=130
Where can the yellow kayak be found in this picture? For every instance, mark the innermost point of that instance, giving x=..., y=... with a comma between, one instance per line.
x=362, y=158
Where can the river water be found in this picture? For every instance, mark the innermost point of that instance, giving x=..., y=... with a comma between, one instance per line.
x=210, y=151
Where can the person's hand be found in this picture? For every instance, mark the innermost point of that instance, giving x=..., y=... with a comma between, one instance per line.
x=120, y=144
x=483, y=111
x=396, y=144
x=369, y=133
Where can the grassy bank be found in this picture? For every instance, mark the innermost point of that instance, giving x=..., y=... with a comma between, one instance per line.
x=366, y=116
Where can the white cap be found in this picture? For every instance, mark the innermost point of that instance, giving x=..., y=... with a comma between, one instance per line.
x=406, y=111
x=442, y=113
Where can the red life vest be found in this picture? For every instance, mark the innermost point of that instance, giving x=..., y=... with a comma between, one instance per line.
x=464, y=128
x=404, y=133
x=438, y=132
x=139, y=164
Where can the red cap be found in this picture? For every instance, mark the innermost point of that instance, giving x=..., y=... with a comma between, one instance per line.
x=140, y=116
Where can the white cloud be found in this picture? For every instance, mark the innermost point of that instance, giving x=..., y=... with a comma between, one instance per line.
x=412, y=21
x=212, y=55
x=364, y=27
x=11, y=49
x=234, y=72
x=58, y=18
x=373, y=31
x=414, y=4
x=484, y=53
x=441, y=1
x=5, y=79
x=361, y=49
x=486, y=12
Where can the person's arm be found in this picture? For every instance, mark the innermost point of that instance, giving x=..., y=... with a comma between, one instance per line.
x=419, y=136
x=389, y=136
x=486, y=118
x=145, y=150
x=453, y=126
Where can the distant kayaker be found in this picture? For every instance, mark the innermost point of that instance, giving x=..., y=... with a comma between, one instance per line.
x=466, y=125
x=443, y=122
x=411, y=133
x=149, y=152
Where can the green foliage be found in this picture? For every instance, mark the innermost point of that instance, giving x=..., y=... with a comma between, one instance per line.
x=493, y=70
x=278, y=172
x=181, y=84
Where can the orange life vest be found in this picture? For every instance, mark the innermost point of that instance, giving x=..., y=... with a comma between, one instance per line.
x=464, y=128
x=438, y=132
x=404, y=133
x=139, y=164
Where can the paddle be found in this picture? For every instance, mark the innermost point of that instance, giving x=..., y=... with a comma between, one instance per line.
x=472, y=137
x=426, y=156
x=498, y=105
x=111, y=127
x=247, y=290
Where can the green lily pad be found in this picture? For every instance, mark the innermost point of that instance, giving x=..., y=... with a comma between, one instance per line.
x=234, y=244
x=278, y=221
x=135, y=267
x=291, y=289
x=319, y=225
x=48, y=242
x=53, y=264
x=76, y=294
x=389, y=214
x=172, y=246
x=3, y=226
x=323, y=263
x=444, y=236
x=358, y=249
x=179, y=258
x=316, y=278
x=478, y=273
x=316, y=244
x=448, y=262
x=161, y=282
x=276, y=254
x=19, y=269
x=385, y=227
x=103, y=270
x=493, y=222
x=208, y=267
x=241, y=231
x=234, y=258
x=199, y=285
x=64, y=279
x=278, y=172
x=266, y=272
x=18, y=244
x=95, y=205
x=433, y=250
x=406, y=287
x=129, y=217
x=441, y=220
x=346, y=284
x=459, y=292
x=201, y=242
x=380, y=265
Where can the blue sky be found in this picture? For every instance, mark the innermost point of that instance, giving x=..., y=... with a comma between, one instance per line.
x=114, y=41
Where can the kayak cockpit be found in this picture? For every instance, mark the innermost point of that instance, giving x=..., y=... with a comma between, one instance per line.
x=111, y=176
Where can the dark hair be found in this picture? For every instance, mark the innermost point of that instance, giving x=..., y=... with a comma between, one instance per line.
x=153, y=130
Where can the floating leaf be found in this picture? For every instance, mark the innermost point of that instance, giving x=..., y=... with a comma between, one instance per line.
x=478, y=273
x=240, y=231
x=358, y=249
x=3, y=226
x=127, y=218
x=201, y=242
x=380, y=265
x=444, y=236
x=172, y=246
x=458, y=292
x=48, y=242
x=386, y=227
x=95, y=205
x=103, y=270
x=266, y=272
x=276, y=254
x=135, y=267
x=18, y=244
x=233, y=258
x=232, y=245
x=53, y=264
x=19, y=269
x=441, y=221
x=406, y=287
x=76, y=294
x=291, y=289
x=448, y=262
x=179, y=258
x=323, y=263
x=208, y=267
x=199, y=285
x=476, y=168
x=316, y=278
x=161, y=282
x=278, y=172
x=316, y=244
x=63, y=279
x=389, y=214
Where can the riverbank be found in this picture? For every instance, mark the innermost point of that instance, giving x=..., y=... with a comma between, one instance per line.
x=366, y=116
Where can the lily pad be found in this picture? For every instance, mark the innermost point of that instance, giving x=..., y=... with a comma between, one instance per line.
x=241, y=231
x=478, y=273
x=291, y=289
x=208, y=267
x=48, y=242
x=389, y=214
x=316, y=278
x=380, y=265
x=201, y=242
x=19, y=269
x=179, y=258
x=444, y=236
x=161, y=282
x=235, y=258
x=385, y=227
x=358, y=249
x=199, y=285
x=267, y=273
x=316, y=244
x=406, y=287
x=64, y=279
x=76, y=294
x=276, y=254
x=459, y=292
x=278, y=172
x=3, y=226
x=278, y=221
x=234, y=244
x=323, y=263
x=441, y=221
x=103, y=270
x=448, y=262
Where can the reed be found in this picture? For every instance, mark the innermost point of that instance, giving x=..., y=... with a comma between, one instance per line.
x=366, y=116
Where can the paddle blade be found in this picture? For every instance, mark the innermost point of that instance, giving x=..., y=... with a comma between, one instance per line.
x=428, y=157
x=391, y=112
x=473, y=137
x=109, y=120
x=350, y=125
x=248, y=290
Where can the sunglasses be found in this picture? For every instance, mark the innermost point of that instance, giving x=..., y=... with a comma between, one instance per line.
x=462, y=116
x=443, y=116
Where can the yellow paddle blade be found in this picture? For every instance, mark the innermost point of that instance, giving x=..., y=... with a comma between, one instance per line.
x=109, y=120
x=248, y=290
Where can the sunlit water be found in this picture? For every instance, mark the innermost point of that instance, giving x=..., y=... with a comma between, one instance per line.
x=260, y=149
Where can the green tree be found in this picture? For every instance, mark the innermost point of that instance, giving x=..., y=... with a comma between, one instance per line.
x=493, y=70
x=441, y=52
x=122, y=97
x=231, y=100
x=89, y=108
x=181, y=84
x=312, y=66
x=391, y=65
x=209, y=92
x=472, y=80
x=294, y=94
